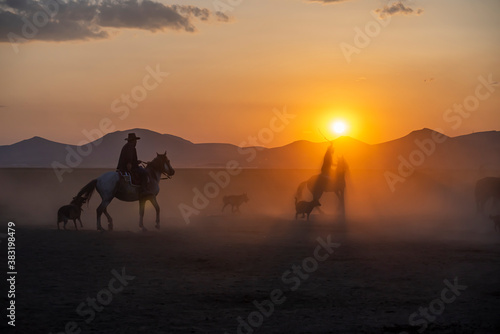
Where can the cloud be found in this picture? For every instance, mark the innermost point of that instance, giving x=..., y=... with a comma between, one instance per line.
x=222, y=17
x=63, y=20
x=397, y=8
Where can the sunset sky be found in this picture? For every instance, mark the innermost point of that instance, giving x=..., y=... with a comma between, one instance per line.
x=384, y=67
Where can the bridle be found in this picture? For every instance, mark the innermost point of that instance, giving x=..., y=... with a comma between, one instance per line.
x=167, y=177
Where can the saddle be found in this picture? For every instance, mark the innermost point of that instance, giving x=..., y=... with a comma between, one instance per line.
x=132, y=179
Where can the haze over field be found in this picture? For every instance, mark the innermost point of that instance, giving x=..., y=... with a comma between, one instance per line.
x=204, y=270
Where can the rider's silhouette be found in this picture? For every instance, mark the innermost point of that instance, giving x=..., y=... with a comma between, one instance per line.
x=327, y=162
x=128, y=161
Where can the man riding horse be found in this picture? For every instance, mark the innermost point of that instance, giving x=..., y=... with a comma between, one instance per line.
x=327, y=180
x=128, y=163
x=327, y=162
x=325, y=176
x=111, y=185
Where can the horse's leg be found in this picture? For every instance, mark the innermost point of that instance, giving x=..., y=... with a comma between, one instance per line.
x=81, y=225
x=100, y=209
x=65, y=222
x=342, y=201
x=317, y=195
x=142, y=204
x=110, y=220
x=157, y=208
x=74, y=222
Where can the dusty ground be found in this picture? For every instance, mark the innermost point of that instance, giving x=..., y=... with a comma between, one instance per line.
x=211, y=276
x=202, y=278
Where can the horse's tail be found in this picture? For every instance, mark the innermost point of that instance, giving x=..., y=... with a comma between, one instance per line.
x=300, y=189
x=88, y=190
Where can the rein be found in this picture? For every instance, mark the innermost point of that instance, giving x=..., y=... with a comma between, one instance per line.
x=145, y=164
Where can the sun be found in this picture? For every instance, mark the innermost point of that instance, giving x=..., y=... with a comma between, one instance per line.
x=338, y=127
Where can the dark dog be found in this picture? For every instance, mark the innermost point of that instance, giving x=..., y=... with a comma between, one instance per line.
x=496, y=221
x=71, y=211
x=304, y=207
x=235, y=201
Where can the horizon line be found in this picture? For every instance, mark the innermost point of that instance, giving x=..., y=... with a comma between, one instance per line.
x=226, y=143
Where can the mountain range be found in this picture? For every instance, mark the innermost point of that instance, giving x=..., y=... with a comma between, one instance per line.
x=423, y=148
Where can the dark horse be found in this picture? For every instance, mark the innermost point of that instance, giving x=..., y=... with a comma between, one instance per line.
x=486, y=188
x=110, y=185
x=318, y=184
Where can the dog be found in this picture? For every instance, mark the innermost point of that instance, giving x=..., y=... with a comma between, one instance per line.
x=235, y=201
x=71, y=211
x=496, y=221
x=304, y=207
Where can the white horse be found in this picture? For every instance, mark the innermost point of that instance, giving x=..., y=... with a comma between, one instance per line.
x=110, y=185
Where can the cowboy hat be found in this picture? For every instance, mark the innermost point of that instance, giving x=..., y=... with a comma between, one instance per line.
x=131, y=136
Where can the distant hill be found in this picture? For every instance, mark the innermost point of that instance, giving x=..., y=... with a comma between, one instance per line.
x=424, y=148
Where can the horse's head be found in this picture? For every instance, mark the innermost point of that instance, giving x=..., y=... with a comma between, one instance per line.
x=164, y=163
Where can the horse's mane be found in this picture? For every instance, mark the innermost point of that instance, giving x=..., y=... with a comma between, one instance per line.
x=155, y=164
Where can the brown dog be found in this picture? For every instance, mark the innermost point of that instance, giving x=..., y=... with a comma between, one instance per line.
x=235, y=201
x=71, y=211
x=304, y=207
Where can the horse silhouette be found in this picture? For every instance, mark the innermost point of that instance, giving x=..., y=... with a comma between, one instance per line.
x=110, y=185
x=486, y=189
x=335, y=182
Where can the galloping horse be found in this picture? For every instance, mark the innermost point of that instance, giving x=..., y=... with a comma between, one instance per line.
x=486, y=188
x=110, y=185
x=320, y=183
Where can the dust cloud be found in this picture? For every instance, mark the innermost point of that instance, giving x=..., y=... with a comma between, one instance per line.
x=429, y=203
